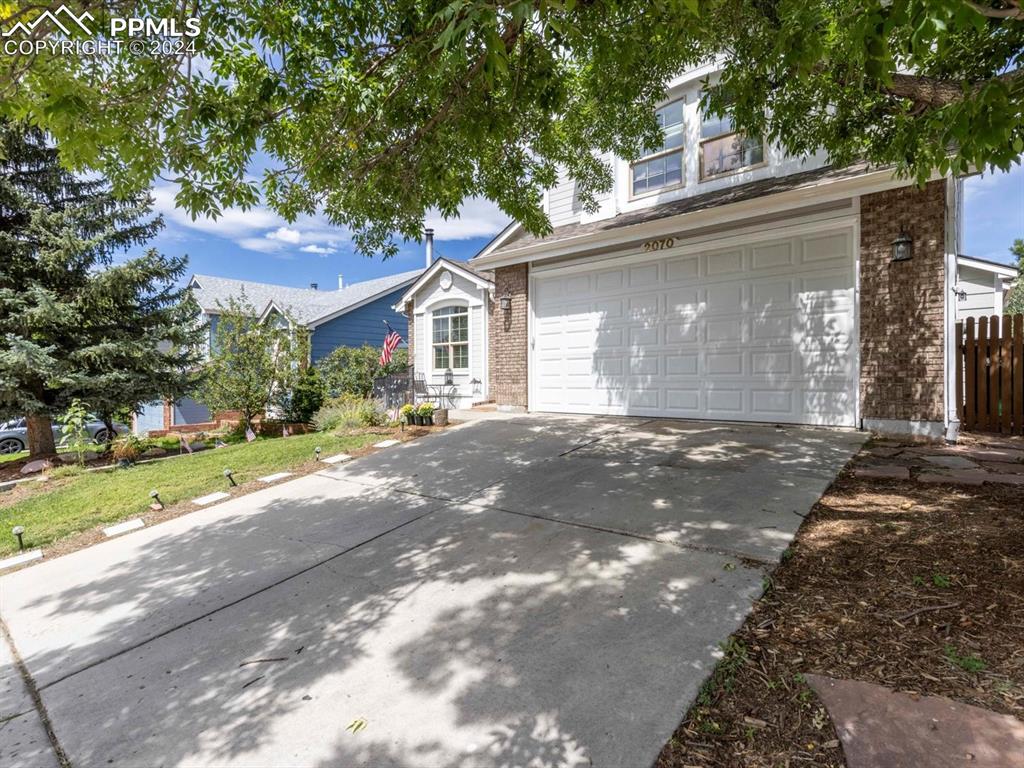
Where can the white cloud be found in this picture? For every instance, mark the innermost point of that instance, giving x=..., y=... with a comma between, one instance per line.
x=260, y=229
x=477, y=218
x=317, y=249
x=286, y=235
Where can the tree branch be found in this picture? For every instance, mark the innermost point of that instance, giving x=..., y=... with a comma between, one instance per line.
x=1013, y=11
x=934, y=92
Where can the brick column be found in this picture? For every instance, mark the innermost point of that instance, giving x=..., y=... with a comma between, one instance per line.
x=902, y=357
x=508, y=339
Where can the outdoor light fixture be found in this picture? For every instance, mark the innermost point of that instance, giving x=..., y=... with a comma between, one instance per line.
x=449, y=378
x=505, y=302
x=317, y=452
x=18, y=531
x=902, y=246
x=155, y=496
x=228, y=474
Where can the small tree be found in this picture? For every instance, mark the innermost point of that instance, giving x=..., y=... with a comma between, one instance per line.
x=1015, y=302
x=254, y=365
x=351, y=370
x=307, y=396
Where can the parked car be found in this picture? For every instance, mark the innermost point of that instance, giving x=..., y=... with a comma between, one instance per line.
x=14, y=434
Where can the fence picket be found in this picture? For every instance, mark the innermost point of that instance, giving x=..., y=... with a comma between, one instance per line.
x=990, y=374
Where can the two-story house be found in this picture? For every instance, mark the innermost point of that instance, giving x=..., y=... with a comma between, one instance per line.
x=349, y=316
x=722, y=279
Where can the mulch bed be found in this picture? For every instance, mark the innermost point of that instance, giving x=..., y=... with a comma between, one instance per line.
x=916, y=587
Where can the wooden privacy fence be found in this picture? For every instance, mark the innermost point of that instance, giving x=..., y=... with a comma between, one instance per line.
x=990, y=374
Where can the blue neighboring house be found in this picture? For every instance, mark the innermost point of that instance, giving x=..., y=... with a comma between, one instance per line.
x=350, y=316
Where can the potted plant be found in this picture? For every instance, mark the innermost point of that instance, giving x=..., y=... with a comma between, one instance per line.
x=407, y=413
x=426, y=413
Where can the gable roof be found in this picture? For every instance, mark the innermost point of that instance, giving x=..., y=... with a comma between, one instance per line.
x=476, y=276
x=1006, y=271
x=306, y=305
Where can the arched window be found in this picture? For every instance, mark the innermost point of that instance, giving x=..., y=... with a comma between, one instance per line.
x=451, y=338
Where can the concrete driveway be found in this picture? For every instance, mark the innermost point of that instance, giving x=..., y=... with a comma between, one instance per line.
x=532, y=591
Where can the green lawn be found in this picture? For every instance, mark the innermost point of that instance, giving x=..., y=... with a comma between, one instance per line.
x=12, y=456
x=78, y=503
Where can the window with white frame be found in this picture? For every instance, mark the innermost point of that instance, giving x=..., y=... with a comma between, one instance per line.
x=662, y=167
x=450, y=338
x=724, y=150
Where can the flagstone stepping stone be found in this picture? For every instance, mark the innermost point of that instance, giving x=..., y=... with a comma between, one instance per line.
x=24, y=557
x=884, y=452
x=888, y=472
x=1004, y=466
x=71, y=458
x=274, y=477
x=995, y=454
x=879, y=727
x=337, y=459
x=210, y=498
x=951, y=462
x=154, y=452
x=957, y=477
x=39, y=465
x=386, y=443
x=1005, y=479
x=127, y=525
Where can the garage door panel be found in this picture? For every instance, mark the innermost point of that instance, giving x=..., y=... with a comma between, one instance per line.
x=759, y=332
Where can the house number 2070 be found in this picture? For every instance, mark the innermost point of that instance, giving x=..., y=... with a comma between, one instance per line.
x=659, y=245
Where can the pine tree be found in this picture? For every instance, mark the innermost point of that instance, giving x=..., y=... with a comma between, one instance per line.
x=1015, y=301
x=73, y=324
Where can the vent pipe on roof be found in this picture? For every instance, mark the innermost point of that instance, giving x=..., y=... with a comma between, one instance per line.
x=313, y=286
x=429, y=234
x=341, y=282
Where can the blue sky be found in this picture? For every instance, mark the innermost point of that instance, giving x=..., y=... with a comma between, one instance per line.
x=259, y=245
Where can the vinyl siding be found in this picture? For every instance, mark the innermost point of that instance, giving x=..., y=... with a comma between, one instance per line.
x=563, y=206
x=979, y=285
x=364, y=325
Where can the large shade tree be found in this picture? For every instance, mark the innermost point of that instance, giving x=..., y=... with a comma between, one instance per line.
x=374, y=111
x=73, y=324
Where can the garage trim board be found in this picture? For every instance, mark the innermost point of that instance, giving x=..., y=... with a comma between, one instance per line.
x=754, y=327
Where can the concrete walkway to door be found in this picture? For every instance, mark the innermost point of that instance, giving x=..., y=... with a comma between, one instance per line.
x=528, y=591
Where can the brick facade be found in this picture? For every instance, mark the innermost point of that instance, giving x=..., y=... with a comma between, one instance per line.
x=508, y=339
x=901, y=305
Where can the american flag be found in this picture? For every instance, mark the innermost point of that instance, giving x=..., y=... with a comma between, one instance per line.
x=285, y=432
x=391, y=341
x=185, y=443
x=249, y=434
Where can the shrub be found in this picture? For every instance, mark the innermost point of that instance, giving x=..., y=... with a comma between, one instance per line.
x=351, y=370
x=307, y=397
x=426, y=409
x=407, y=410
x=348, y=412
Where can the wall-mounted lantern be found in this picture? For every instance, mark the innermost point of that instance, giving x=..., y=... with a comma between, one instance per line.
x=449, y=377
x=505, y=302
x=902, y=247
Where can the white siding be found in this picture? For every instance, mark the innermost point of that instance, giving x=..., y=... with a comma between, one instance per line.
x=465, y=293
x=563, y=206
x=979, y=285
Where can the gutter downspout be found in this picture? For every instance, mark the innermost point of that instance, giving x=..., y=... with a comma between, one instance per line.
x=953, y=234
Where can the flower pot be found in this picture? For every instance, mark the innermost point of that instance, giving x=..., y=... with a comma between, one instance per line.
x=418, y=420
x=428, y=421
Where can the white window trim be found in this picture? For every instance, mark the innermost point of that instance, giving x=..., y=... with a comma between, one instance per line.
x=681, y=149
x=702, y=140
x=469, y=338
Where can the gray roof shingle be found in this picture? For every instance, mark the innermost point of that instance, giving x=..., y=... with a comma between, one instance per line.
x=305, y=305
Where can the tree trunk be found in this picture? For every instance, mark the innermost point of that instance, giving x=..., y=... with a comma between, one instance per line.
x=40, y=436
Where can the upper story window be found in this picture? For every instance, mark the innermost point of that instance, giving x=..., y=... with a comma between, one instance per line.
x=450, y=327
x=662, y=167
x=723, y=150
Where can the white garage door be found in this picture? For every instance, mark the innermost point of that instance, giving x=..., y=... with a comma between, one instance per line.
x=757, y=332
